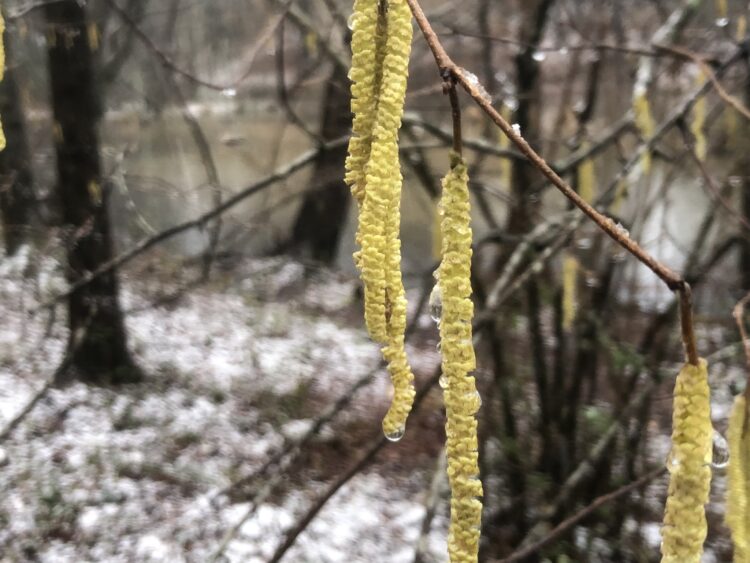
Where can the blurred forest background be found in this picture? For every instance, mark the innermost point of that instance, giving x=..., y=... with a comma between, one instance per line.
x=184, y=370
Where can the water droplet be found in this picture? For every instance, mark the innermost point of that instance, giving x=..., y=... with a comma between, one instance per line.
x=539, y=56
x=722, y=22
x=229, y=92
x=475, y=400
x=443, y=381
x=564, y=51
x=735, y=181
x=516, y=128
x=351, y=22
x=436, y=304
x=583, y=243
x=720, y=451
x=396, y=435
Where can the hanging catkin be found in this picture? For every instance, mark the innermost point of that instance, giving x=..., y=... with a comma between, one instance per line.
x=698, y=122
x=587, y=177
x=381, y=44
x=738, y=486
x=569, y=290
x=644, y=122
x=461, y=398
x=689, y=465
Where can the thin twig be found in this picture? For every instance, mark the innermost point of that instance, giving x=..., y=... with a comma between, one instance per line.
x=568, y=523
x=709, y=74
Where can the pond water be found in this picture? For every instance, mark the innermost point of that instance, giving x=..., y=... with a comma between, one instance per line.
x=160, y=180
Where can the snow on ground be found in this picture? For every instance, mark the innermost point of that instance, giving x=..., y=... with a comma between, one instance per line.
x=133, y=474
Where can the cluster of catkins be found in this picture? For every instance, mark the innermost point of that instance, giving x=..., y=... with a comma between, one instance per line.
x=381, y=43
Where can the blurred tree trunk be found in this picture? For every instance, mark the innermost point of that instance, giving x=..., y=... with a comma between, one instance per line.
x=97, y=346
x=16, y=197
x=321, y=219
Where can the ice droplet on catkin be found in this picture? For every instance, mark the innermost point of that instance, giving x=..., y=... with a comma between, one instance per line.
x=720, y=452
x=395, y=435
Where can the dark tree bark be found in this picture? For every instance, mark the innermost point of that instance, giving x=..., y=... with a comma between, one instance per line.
x=16, y=196
x=321, y=219
x=97, y=346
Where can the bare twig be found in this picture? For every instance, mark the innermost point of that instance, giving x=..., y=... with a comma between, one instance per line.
x=568, y=523
x=709, y=74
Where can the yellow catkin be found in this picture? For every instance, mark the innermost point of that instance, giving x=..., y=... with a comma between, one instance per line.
x=381, y=45
x=721, y=8
x=644, y=122
x=698, y=122
x=569, y=297
x=684, y=528
x=437, y=238
x=738, y=477
x=388, y=175
x=586, y=177
x=461, y=398
x=368, y=52
x=741, y=28
x=92, y=30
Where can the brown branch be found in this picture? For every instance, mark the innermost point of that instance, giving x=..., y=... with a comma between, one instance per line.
x=471, y=85
x=568, y=523
x=701, y=62
x=449, y=87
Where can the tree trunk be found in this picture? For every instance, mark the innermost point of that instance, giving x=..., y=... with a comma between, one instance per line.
x=16, y=197
x=97, y=347
x=321, y=219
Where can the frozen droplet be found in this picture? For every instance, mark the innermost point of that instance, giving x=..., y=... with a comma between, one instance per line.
x=722, y=22
x=229, y=92
x=472, y=79
x=516, y=128
x=511, y=103
x=564, y=50
x=583, y=243
x=395, y=435
x=436, y=304
x=720, y=451
x=443, y=381
x=622, y=230
x=351, y=22
x=539, y=56
x=735, y=181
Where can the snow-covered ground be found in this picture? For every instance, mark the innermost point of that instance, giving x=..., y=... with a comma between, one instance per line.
x=234, y=371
